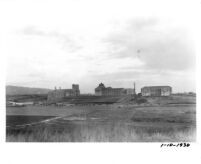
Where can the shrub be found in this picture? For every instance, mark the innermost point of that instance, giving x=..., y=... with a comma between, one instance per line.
x=141, y=101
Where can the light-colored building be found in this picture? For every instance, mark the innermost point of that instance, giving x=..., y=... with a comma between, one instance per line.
x=58, y=94
x=156, y=91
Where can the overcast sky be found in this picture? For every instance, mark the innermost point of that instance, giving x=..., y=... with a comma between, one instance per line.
x=57, y=43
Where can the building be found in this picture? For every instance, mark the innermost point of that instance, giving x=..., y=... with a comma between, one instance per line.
x=130, y=91
x=76, y=90
x=156, y=91
x=101, y=90
x=58, y=94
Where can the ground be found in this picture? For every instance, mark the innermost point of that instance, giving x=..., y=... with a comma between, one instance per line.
x=158, y=122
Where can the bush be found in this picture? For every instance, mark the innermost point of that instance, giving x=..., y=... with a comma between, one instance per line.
x=141, y=101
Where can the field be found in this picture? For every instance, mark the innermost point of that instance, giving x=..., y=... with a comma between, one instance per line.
x=102, y=123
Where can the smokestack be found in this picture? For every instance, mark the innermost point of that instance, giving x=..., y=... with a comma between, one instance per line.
x=134, y=89
x=55, y=88
x=59, y=88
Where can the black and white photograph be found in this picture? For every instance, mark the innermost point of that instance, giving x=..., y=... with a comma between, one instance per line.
x=90, y=71
x=99, y=76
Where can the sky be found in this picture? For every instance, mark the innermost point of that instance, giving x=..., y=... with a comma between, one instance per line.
x=58, y=43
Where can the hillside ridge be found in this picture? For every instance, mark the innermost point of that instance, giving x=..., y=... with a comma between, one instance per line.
x=20, y=90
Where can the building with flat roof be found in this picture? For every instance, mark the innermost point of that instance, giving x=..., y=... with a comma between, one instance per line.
x=156, y=91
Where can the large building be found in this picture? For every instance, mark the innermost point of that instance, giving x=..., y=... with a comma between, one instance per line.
x=58, y=94
x=101, y=90
x=156, y=91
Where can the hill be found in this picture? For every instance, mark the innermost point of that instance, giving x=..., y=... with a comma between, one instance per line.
x=27, y=98
x=17, y=90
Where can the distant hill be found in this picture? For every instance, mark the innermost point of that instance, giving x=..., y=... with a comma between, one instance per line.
x=17, y=90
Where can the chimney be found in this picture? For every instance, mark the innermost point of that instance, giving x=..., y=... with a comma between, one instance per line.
x=55, y=88
x=134, y=89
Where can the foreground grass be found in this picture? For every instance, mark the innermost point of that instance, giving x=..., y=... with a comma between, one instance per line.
x=105, y=124
x=109, y=132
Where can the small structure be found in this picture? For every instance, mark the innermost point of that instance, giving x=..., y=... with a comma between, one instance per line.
x=156, y=91
x=12, y=103
x=58, y=94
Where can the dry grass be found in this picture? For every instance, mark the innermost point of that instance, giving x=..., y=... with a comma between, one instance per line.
x=113, y=132
x=105, y=124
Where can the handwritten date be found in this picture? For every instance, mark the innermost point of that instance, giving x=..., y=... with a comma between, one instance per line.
x=176, y=145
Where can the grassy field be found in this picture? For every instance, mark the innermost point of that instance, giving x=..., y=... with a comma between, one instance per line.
x=102, y=123
x=112, y=132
